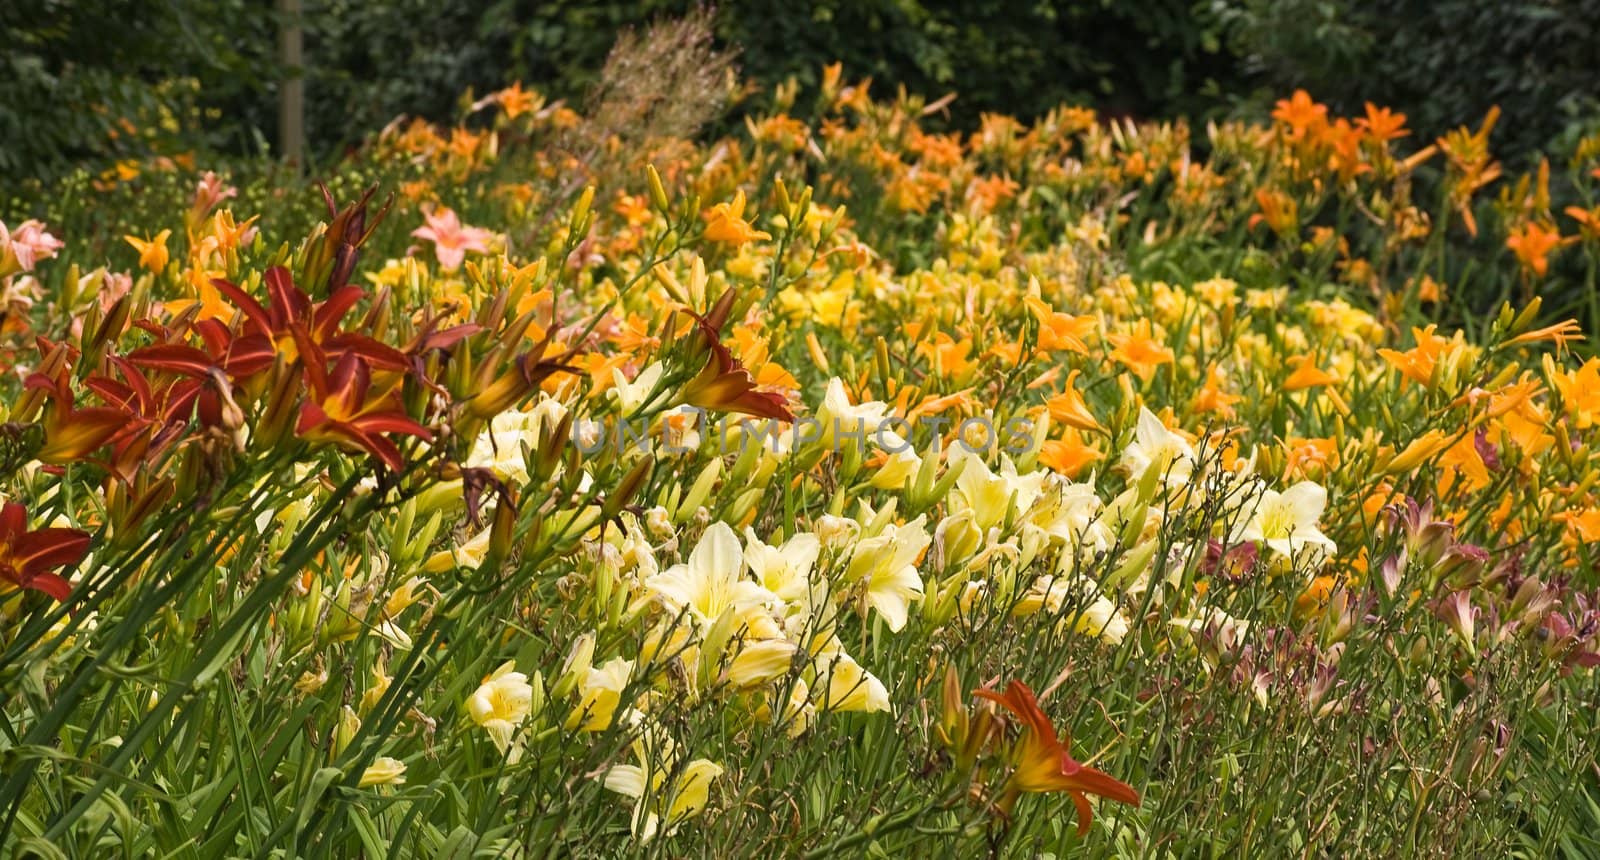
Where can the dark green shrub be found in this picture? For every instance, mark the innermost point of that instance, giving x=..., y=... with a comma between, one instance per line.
x=1442, y=62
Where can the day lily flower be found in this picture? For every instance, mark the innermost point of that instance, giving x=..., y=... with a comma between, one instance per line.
x=712, y=581
x=451, y=240
x=1307, y=375
x=725, y=223
x=760, y=662
x=21, y=249
x=838, y=416
x=1070, y=409
x=885, y=567
x=152, y=252
x=990, y=496
x=383, y=771
x=1287, y=521
x=600, y=692
x=292, y=321
x=1155, y=446
x=1140, y=350
x=72, y=433
x=343, y=409
x=1418, y=363
x=27, y=557
x=501, y=703
x=723, y=384
x=665, y=794
x=1532, y=244
x=632, y=396
x=784, y=570
x=846, y=686
x=1044, y=763
x=1059, y=331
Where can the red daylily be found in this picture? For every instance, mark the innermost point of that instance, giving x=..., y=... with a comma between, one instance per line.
x=342, y=410
x=724, y=384
x=27, y=557
x=72, y=433
x=293, y=318
x=1043, y=763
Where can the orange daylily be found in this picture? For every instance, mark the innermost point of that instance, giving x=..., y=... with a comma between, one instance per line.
x=1059, y=331
x=1279, y=211
x=1140, y=351
x=1558, y=334
x=1069, y=407
x=1532, y=243
x=1382, y=124
x=1417, y=363
x=1043, y=762
x=1300, y=113
x=1307, y=375
x=1069, y=454
x=516, y=101
x=1213, y=398
x=725, y=223
x=152, y=252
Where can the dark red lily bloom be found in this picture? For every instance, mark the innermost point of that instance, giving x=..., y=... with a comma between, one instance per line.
x=291, y=318
x=1042, y=762
x=158, y=411
x=724, y=384
x=72, y=433
x=341, y=409
x=27, y=557
x=205, y=367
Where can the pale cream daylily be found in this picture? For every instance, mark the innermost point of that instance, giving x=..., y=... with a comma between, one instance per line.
x=600, y=692
x=630, y=396
x=1070, y=513
x=384, y=771
x=1156, y=446
x=990, y=495
x=1098, y=616
x=784, y=570
x=847, y=686
x=712, y=582
x=838, y=415
x=1287, y=522
x=469, y=555
x=501, y=703
x=885, y=566
x=662, y=799
x=760, y=662
x=499, y=447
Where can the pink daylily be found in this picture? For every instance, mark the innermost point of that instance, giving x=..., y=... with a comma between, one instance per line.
x=452, y=240
x=21, y=249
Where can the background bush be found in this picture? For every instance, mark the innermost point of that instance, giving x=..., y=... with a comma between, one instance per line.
x=190, y=74
x=1444, y=62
